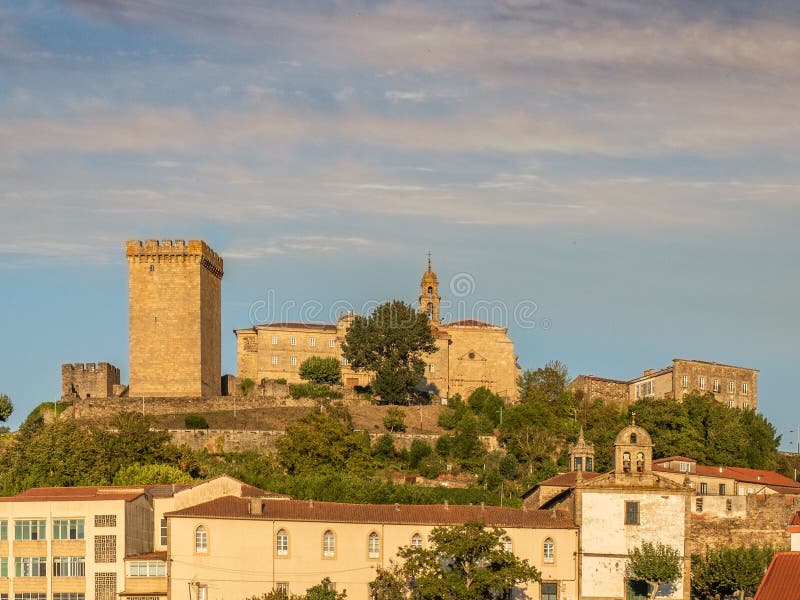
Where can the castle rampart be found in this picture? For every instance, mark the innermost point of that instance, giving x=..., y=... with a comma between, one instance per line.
x=88, y=380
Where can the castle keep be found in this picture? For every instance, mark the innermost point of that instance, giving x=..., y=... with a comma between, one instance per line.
x=175, y=318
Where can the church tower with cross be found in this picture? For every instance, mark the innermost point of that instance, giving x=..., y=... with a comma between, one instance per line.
x=429, y=298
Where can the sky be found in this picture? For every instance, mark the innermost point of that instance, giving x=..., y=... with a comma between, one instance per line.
x=615, y=181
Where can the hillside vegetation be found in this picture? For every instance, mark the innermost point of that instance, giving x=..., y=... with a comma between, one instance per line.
x=323, y=456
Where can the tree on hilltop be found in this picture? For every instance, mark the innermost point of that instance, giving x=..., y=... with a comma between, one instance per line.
x=6, y=408
x=390, y=342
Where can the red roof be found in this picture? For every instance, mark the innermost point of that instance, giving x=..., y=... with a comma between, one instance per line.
x=162, y=555
x=795, y=519
x=569, y=479
x=758, y=476
x=782, y=579
x=671, y=458
x=231, y=507
x=82, y=493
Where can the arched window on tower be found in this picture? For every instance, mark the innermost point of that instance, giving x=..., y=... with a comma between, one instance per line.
x=430, y=291
x=640, y=462
x=633, y=438
x=626, y=462
x=430, y=309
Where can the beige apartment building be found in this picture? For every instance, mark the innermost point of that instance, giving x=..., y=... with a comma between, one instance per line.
x=237, y=547
x=470, y=353
x=736, y=387
x=71, y=543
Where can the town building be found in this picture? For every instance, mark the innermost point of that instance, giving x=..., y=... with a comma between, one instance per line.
x=470, y=353
x=617, y=511
x=782, y=579
x=174, y=291
x=237, y=547
x=736, y=387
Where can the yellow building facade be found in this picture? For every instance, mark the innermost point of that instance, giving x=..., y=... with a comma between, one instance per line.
x=470, y=353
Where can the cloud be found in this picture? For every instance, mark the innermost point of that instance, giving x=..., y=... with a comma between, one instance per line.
x=293, y=244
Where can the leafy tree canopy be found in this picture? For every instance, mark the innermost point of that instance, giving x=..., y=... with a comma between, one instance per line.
x=390, y=342
x=6, y=408
x=729, y=571
x=656, y=564
x=318, y=369
x=461, y=562
x=153, y=474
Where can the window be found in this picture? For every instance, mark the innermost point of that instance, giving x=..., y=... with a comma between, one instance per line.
x=549, y=591
x=685, y=381
x=744, y=389
x=282, y=543
x=721, y=489
x=147, y=568
x=431, y=367
x=282, y=587
x=728, y=504
x=69, y=596
x=69, y=529
x=716, y=385
x=152, y=268
x=703, y=488
x=631, y=513
x=30, y=566
x=293, y=361
x=328, y=544
x=633, y=438
x=202, y=592
x=578, y=463
x=345, y=362
x=312, y=342
x=702, y=382
x=416, y=541
x=68, y=566
x=731, y=403
x=274, y=340
x=293, y=341
x=30, y=530
x=163, y=531
x=645, y=389
x=3, y=530
x=549, y=551
x=274, y=360
x=4, y=566
x=374, y=545
x=589, y=465
x=31, y=596
x=331, y=343
x=731, y=387
x=698, y=504
x=683, y=466
x=745, y=405
x=508, y=545
x=201, y=539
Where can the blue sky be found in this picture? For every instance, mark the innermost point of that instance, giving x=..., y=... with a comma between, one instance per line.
x=625, y=173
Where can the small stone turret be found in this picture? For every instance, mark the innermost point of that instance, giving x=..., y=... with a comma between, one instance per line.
x=633, y=450
x=88, y=380
x=581, y=455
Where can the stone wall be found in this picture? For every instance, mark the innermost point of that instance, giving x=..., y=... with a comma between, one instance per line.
x=590, y=388
x=174, y=311
x=765, y=521
x=95, y=380
x=736, y=386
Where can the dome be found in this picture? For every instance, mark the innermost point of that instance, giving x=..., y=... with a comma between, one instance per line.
x=633, y=435
x=429, y=277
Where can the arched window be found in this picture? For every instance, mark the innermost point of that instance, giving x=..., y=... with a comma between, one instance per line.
x=633, y=438
x=508, y=545
x=282, y=543
x=549, y=551
x=328, y=544
x=430, y=308
x=374, y=545
x=430, y=290
x=626, y=462
x=201, y=539
x=640, y=462
x=416, y=541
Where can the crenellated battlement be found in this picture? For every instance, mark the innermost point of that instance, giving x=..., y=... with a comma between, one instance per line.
x=84, y=380
x=153, y=251
x=89, y=367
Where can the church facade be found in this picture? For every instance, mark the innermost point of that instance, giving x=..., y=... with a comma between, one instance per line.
x=470, y=353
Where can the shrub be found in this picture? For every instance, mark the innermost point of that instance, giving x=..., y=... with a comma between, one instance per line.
x=317, y=369
x=246, y=385
x=312, y=390
x=281, y=381
x=195, y=421
x=419, y=450
x=395, y=419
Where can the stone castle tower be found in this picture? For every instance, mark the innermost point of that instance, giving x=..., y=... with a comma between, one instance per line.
x=175, y=318
x=429, y=298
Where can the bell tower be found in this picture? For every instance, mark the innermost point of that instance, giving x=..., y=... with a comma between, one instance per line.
x=581, y=455
x=633, y=450
x=429, y=297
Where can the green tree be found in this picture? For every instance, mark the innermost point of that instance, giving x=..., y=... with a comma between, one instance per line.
x=321, y=442
x=245, y=385
x=390, y=342
x=384, y=449
x=317, y=369
x=419, y=450
x=195, y=421
x=324, y=591
x=547, y=383
x=462, y=562
x=730, y=571
x=395, y=419
x=656, y=564
x=155, y=474
x=6, y=408
x=486, y=403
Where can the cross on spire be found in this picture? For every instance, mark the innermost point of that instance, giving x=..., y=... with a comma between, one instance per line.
x=429, y=260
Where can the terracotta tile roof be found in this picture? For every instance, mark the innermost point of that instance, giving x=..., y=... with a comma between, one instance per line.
x=671, y=458
x=567, y=479
x=162, y=555
x=84, y=493
x=231, y=507
x=470, y=323
x=782, y=579
x=758, y=476
x=324, y=326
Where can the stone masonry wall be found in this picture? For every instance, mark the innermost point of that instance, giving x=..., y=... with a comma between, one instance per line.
x=96, y=380
x=765, y=522
x=590, y=387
